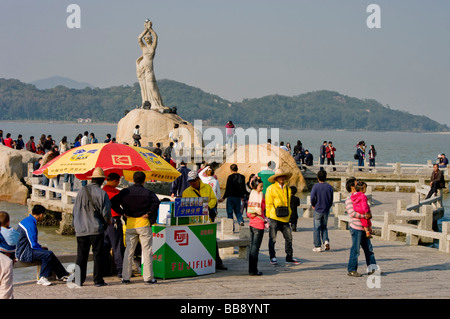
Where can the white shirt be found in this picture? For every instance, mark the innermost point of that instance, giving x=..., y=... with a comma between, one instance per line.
x=84, y=140
x=214, y=183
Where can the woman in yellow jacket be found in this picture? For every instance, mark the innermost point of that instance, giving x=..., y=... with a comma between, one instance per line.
x=278, y=210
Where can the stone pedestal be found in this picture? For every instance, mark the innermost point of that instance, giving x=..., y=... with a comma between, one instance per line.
x=155, y=127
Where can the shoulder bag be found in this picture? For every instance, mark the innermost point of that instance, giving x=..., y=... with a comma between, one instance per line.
x=283, y=211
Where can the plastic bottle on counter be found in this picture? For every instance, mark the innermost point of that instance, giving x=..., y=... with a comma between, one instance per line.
x=168, y=218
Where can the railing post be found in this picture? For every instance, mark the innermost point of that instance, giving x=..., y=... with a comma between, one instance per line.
x=244, y=233
x=343, y=184
x=427, y=222
x=339, y=210
x=444, y=243
x=350, y=170
x=397, y=168
x=401, y=205
x=307, y=212
x=389, y=218
x=64, y=195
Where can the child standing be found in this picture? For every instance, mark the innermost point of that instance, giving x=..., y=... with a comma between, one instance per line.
x=8, y=236
x=255, y=211
x=360, y=206
x=295, y=202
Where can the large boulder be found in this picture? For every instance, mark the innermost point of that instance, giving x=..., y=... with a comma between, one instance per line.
x=251, y=159
x=13, y=170
x=155, y=127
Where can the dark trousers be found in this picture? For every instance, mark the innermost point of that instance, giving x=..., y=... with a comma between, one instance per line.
x=433, y=190
x=114, y=240
x=256, y=237
x=294, y=217
x=84, y=244
x=49, y=263
x=212, y=215
x=285, y=229
x=331, y=161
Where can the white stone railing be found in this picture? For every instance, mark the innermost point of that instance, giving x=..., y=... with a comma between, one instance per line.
x=352, y=167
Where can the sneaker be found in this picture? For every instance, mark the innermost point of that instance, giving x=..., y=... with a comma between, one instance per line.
x=327, y=245
x=317, y=249
x=241, y=224
x=273, y=261
x=293, y=261
x=151, y=282
x=126, y=282
x=354, y=274
x=43, y=281
x=65, y=278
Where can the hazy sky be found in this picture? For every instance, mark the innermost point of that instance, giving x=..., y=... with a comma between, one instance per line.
x=242, y=48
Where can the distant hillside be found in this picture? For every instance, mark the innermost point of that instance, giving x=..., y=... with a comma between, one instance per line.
x=54, y=81
x=314, y=110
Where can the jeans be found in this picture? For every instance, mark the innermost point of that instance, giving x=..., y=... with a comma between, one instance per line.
x=320, y=233
x=230, y=140
x=67, y=178
x=256, y=237
x=322, y=161
x=361, y=162
x=84, y=244
x=275, y=226
x=359, y=239
x=372, y=162
x=143, y=235
x=234, y=204
x=49, y=263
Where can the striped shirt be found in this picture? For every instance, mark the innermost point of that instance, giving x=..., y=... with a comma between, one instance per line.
x=355, y=221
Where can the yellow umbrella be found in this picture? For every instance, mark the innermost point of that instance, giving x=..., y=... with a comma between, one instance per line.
x=112, y=158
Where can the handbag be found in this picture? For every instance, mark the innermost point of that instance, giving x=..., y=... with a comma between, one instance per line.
x=283, y=211
x=136, y=137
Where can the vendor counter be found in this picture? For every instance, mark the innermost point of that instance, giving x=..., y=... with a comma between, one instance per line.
x=184, y=241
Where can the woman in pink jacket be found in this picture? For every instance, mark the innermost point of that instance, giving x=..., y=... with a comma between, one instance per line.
x=255, y=212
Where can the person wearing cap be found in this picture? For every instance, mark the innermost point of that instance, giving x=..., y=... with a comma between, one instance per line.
x=278, y=197
x=91, y=215
x=443, y=163
x=199, y=189
x=140, y=206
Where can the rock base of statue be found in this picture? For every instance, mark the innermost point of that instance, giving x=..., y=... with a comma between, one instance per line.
x=252, y=158
x=155, y=126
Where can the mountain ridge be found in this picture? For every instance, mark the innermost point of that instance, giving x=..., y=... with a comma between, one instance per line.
x=321, y=109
